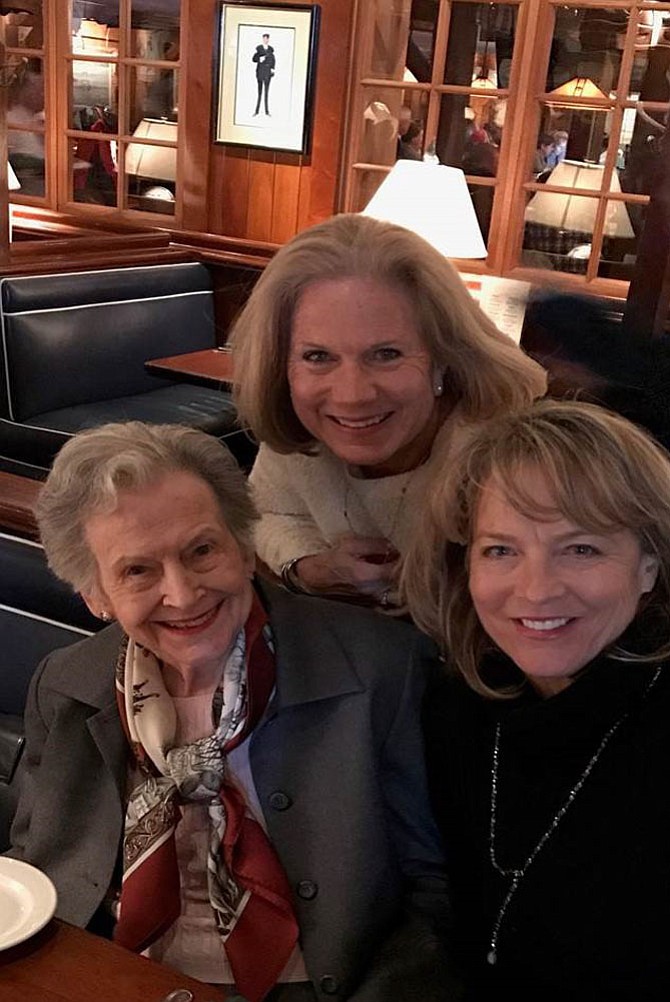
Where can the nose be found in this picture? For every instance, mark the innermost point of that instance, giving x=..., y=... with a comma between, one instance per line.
x=537, y=579
x=352, y=385
x=181, y=587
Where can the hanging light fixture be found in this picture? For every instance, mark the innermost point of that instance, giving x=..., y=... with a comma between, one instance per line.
x=579, y=87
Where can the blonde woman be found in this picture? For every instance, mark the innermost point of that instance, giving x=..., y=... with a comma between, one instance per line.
x=359, y=351
x=542, y=568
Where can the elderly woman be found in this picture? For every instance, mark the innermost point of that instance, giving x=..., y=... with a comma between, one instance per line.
x=543, y=568
x=360, y=351
x=232, y=773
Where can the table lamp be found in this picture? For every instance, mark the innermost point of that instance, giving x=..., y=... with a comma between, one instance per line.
x=577, y=212
x=434, y=202
x=157, y=162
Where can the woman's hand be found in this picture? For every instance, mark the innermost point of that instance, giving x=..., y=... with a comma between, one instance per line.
x=355, y=564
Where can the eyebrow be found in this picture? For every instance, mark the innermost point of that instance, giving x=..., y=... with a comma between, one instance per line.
x=564, y=537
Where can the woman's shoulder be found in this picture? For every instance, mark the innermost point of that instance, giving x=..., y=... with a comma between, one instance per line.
x=84, y=667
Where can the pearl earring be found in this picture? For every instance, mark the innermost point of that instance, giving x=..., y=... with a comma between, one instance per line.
x=105, y=616
x=438, y=386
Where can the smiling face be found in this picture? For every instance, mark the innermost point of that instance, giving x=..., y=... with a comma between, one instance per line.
x=360, y=377
x=172, y=574
x=550, y=594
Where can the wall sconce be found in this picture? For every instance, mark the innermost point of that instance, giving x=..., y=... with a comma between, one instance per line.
x=434, y=202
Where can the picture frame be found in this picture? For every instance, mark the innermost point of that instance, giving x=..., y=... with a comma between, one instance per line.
x=265, y=69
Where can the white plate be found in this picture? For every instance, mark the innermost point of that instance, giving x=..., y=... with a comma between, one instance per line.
x=27, y=901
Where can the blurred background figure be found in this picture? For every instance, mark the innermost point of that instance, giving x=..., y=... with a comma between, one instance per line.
x=587, y=354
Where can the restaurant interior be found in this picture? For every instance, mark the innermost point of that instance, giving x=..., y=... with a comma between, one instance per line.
x=136, y=188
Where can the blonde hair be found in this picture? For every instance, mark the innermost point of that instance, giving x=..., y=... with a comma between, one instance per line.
x=604, y=474
x=482, y=369
x=92, y=469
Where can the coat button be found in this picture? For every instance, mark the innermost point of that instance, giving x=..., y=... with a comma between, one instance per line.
x=307, y=890
x=280, y=801
x=329, y=985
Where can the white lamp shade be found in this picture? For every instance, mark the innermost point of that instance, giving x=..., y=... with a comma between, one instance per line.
x=434, y=202
x=577, y=212
x=13, y=182
x=158, y=162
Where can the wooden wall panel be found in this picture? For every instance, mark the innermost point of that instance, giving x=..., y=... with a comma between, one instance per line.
x=256, y=194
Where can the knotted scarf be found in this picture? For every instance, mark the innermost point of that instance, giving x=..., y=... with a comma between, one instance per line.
x=248, y=889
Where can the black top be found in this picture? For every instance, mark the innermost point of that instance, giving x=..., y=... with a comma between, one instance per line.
x=591, y=918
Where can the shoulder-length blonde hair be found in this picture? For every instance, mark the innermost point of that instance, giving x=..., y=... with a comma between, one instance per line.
x=604, y=474
x=483, y=369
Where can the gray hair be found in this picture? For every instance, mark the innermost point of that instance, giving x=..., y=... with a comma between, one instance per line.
x=95, y=466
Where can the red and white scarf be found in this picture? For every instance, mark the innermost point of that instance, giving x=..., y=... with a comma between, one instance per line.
x=248, y=889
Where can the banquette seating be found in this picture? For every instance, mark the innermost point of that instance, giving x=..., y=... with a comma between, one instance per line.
x=73, y=354
x=38, y=614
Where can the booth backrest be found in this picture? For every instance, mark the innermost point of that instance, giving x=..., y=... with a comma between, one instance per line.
x=71, y=339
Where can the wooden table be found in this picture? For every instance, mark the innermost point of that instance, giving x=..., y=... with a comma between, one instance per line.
x=209, y=367
x=66, y=964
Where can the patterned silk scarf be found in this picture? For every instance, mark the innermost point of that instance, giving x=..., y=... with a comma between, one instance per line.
x=248, y=889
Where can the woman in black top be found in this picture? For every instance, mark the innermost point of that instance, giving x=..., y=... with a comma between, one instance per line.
x=548, y=738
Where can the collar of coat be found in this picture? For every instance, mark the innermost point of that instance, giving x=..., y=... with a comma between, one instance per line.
x=315, y=641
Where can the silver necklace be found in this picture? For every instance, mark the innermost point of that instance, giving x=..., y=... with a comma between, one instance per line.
x=518, y=874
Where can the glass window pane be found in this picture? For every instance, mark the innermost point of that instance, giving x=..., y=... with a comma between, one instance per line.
x=93, y=171
x=154, y=94
x=481, y=41
x=95, y=27
x=575, y=134
x=24, y=30
x=587, y=45
x=393, y=125
x=155, y=29
x=151, y=173
x=404, y=39
x=95, y=93
x=25, y=122
x=470, y=132
x=641, y=145
x=26, y=155
x=623, y=227
x=652, y=57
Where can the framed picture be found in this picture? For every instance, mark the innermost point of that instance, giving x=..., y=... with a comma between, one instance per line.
x=265, y=78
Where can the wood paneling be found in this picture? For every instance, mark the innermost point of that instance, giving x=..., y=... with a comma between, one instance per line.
x=258, y=194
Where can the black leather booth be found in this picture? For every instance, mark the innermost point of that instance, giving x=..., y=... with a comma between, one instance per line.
x=73, y=353
x=38, y=614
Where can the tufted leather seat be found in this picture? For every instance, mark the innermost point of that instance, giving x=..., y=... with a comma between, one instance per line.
x=73, y=354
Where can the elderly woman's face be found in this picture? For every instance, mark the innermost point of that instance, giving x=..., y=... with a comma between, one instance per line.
x=360, y=375
x=171, y=573
x=551, y=594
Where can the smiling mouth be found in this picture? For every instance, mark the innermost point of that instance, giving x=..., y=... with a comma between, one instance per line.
x=545, y=625
x=191, y=625
x=354, y=424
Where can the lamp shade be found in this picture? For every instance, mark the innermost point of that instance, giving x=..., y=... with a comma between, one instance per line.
x=158, y=162
x=577, y=212
x=434, y=202
x=13, y=182
x=582, y=87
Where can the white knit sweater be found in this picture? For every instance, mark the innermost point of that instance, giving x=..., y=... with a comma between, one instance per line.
x=308, y=502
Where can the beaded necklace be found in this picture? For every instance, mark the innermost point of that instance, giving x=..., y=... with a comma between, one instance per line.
x=517, y=874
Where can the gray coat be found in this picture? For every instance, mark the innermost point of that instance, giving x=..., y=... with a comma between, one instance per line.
x=338, y=767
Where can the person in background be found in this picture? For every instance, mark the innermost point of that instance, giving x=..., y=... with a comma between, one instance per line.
x=361, y=354
x=542, y=568
x=545, y=145
x=229, y=777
